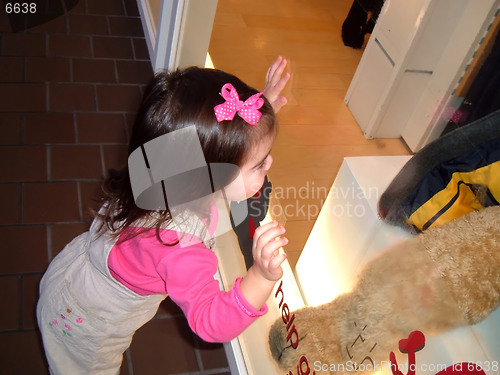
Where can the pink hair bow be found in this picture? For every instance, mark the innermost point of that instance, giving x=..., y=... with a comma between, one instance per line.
x=248, y=110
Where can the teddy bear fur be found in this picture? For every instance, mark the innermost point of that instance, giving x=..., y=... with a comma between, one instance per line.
x=443, y=278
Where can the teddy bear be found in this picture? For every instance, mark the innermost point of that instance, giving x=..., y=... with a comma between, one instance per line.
x=445, y=277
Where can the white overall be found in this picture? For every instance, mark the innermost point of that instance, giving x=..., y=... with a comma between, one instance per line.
x=86, y=317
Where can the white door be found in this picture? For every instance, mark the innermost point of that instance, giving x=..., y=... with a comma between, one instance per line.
x=177, y=31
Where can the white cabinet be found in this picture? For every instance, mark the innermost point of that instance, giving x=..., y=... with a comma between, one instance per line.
x=348, y=231
x=418, y=52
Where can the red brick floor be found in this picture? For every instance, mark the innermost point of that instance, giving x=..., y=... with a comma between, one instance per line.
x=69, y=88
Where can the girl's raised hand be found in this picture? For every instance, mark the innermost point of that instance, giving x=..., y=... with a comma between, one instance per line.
x=275, y=83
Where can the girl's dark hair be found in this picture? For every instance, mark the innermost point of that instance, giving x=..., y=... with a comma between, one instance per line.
x=173, y=101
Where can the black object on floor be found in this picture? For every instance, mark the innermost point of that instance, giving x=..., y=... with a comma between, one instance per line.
x=258, y=206
x=360, y=20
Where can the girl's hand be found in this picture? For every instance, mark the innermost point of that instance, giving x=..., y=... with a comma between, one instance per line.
x=275, y=83
x=265, y=250
x=259, y=281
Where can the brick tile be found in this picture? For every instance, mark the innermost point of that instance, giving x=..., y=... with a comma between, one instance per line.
x=10, y=128
x=69, y=45
x=9, y=313
x=23, y=163
x=29, y=244
x=75, y=162
x=62, y=234
x=92, y=70
x=126, y=26
x=70, y=97
x=30, y=297
x=131, y=9
x=134, y=71
x=91, y=196
x=20, y=44
x=213, y=356
x=9, y=201
x=11, y=69
x=56, y=25
x=26, y=97
x=53, y=202
x=87, y=24
x=111, y=7
x=160, y=347
x=49, y=127
x=130, y=119
x=115, y=156
x=101, y=128
x=169, y=308
x=4, y=23
x=76, y=6
x=113, y=47
x=47, y=69
x=141, y=51
x=118, y=98
x=22, y=353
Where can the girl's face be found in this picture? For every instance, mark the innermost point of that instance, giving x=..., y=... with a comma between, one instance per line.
x=253, y=172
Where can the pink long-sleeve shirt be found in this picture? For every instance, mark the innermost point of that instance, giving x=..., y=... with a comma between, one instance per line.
x=186, y=274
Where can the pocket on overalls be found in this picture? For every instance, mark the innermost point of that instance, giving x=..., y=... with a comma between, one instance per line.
x=82, y=331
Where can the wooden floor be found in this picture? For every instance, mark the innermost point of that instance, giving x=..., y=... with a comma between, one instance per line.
x=317, y=130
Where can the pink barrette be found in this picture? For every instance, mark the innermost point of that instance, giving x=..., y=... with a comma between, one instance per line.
x=248, y=110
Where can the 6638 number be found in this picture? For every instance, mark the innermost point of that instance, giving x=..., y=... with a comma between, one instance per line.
x=17, y=8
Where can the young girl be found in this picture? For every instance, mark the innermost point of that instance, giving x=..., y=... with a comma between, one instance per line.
x=108, y=282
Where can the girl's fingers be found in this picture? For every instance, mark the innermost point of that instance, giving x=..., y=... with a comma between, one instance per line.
x=268, y=235
x=283, y=81
x=275, y=71
x=264, y=228
x=275, y=263
x=273, y=67
x=267, y=242
x=281, y=68
x=277, y=68
x=276, y=82
x=274, y=267
x=278, y=104
x=269, y=249
x=266, y=250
